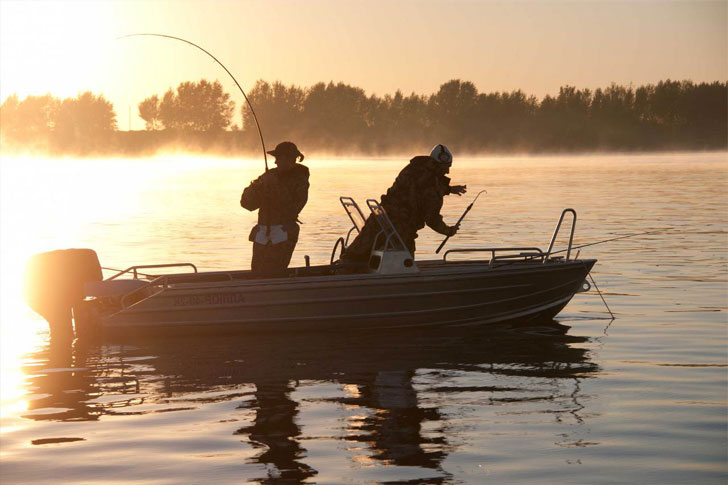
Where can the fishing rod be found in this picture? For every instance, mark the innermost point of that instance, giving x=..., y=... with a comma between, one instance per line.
x=664, y=229
x=257, y=124
x=460, y=220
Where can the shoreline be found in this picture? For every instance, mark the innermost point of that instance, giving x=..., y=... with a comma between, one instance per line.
x=120, y=147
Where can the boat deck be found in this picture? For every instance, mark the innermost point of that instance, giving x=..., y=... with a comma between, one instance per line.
x=338, y=272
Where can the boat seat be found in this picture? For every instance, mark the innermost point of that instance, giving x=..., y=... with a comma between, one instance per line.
x=392, y=255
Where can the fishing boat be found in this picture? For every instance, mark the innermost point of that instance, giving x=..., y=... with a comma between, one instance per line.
x=466, y=287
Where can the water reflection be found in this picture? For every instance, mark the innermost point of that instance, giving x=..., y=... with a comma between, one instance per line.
x=396, y=389
x=275, y=429
x=61, y=385
x=394, y=429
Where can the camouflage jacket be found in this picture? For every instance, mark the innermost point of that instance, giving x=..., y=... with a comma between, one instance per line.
x=278, y=196
x=415, y=198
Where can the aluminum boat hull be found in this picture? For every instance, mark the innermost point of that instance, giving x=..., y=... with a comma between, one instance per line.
x=441, y=293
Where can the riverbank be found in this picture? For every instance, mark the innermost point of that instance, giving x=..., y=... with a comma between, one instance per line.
x=142, y=144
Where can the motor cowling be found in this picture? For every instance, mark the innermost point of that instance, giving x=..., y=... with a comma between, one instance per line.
x=54, y=284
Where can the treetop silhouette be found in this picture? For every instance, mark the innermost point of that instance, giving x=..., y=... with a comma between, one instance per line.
x=340, y=118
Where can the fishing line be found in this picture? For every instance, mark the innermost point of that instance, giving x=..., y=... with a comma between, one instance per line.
x=600, y=294
x=617, y=238
x=257, y=124
x=589, y=275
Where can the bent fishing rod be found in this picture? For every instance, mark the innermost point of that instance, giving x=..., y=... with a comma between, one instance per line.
x=257, y=124
x=460, y=220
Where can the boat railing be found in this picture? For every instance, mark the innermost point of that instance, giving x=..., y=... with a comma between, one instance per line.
x=392, y=239
x=527, y=253
x=355, y=215
x=158, y=281
x=341, y=242
x=162, y=282
x=135, y=269
x=357, y=219
x=556, y=232
x=524, y=253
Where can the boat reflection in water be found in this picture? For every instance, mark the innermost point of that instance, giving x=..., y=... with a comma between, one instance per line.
x=392, y=387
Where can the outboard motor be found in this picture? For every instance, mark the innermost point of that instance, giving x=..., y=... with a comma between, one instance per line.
x=54, y=284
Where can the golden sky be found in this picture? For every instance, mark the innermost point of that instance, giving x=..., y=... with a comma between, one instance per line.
x=64, y=47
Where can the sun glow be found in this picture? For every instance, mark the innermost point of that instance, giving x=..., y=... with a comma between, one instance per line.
x=54, y=47
x=50, y=204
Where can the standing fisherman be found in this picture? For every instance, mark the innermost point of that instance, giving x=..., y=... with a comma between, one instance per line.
x=413, y=201
x=279, y=195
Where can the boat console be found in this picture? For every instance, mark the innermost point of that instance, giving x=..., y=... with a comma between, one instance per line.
x=389, y=254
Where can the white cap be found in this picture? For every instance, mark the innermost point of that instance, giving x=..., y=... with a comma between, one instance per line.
x=441, y=154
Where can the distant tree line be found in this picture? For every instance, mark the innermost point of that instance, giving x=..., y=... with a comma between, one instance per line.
x=201, y=106
x=82, y=124
x=339, y=118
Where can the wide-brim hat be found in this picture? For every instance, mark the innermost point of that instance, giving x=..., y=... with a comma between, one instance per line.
x=285, y=148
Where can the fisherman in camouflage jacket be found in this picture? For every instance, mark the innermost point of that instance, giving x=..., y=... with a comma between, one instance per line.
x=279, y=195
x=413, y=201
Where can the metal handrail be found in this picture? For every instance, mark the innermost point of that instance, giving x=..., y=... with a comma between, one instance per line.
x=134, y=269
x=154, y=282
x=348, y=202
x=162, y=281
x=383, y=220
x=348, y=235
x=387, y=238
x=336, y=245
x=349, y=205
x=556, y=232
x=536, y=252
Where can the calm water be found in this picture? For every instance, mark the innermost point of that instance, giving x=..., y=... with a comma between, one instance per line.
x=578, y=400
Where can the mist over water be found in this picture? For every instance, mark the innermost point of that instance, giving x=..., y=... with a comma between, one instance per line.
x=579, y=400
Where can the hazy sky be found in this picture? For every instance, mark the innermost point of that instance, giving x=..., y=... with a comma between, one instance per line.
x=65, y=47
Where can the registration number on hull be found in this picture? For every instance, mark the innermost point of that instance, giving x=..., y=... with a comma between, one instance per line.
x=210, y=299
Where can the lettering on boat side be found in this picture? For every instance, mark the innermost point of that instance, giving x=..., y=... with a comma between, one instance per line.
x=212, y=299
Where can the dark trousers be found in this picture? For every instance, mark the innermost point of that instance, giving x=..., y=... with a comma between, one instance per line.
x=271, y=260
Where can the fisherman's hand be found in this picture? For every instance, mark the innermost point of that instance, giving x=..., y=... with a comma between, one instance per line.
x=453, y=230
x=258, y=183
x=458, y=189
x=267, y=183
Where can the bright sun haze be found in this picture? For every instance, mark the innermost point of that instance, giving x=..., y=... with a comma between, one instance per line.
x=66, y=47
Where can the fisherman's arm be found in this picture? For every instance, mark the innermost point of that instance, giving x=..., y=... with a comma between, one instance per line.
x=448, y=189
x=253, y=194
x=432, y=203
x=457, y=189
x=300, y=192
